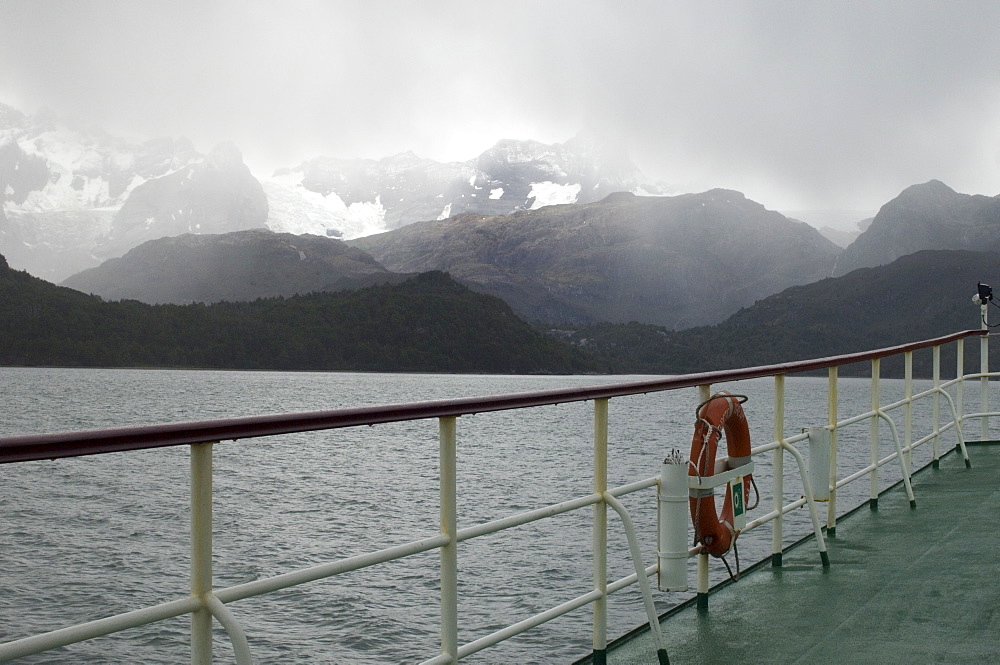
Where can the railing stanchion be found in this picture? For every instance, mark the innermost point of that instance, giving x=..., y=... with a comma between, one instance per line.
x=960, y=387
x=600, y=532
x=831, y=409
x=449, y=528
x=704, y=392
x=907, y=411
x=936, y=404
x=779, y=470
x=984, y=382
x=876, y=405
x=201, y=551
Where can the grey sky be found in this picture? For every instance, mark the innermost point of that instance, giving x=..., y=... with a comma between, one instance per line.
x=800, y=105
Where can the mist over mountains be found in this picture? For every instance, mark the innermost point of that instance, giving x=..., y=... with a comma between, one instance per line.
x=653, y=259
x=553, y=230
x=678, y=261
x=73, y=197
x=927, y=216
x=510, y=176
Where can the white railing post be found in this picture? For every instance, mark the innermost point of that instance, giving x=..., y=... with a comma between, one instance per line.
x=201, y=551
x=907, y=411
x=831, y=420
x=449, y=527
x=876, y=405
x=960, y=388
x=600, y=532
x=936, y=404
x=779, y=470
x=984, y=382
x=704, y=393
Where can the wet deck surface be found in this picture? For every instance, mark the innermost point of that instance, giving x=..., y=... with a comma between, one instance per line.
x=904, y=586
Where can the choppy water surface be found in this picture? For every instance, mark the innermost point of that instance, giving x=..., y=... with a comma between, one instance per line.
x=90, y=537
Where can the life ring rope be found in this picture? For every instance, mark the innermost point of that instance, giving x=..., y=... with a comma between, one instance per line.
x=716, y=534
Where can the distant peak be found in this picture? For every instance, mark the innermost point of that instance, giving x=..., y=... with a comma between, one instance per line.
x=929, y=188
x=225, y=156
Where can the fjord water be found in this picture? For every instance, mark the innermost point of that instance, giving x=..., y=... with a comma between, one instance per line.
x=90, y=537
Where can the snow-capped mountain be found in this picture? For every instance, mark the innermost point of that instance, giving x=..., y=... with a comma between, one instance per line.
x=50, y=165
x=353, y=198
x=74, y=196
x=217, y=194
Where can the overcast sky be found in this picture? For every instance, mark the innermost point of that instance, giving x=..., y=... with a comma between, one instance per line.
x=800, y=105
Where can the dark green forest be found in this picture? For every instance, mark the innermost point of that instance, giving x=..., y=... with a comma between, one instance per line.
x=429, y=323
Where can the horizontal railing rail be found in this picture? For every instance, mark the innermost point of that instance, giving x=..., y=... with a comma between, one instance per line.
x=207, y=602
x=94, y=442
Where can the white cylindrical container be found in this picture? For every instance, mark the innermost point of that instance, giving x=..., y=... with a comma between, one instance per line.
x=672, y=521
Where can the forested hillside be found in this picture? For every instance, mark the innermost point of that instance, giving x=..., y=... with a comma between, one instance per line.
x=920, y=296
x=428, y=323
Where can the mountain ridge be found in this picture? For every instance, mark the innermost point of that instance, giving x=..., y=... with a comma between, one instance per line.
x=652, y=259
x=919, y=296
x=930, y=215
x=234, y=266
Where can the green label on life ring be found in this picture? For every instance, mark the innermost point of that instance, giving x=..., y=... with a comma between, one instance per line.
x=736, y=487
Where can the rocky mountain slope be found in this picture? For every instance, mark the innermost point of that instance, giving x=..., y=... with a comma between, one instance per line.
x=216, y=195
x=74, y=196
x=676, y=261
x=242, y=265
x=919, y=296
x=927, y=216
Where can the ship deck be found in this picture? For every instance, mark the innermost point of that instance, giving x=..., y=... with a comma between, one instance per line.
x=904, y=585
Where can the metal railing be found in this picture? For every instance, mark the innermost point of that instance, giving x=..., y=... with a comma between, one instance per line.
x=205, y=602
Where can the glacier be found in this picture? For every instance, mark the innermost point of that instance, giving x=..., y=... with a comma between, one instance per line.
x=548, y=193
x=295, y=209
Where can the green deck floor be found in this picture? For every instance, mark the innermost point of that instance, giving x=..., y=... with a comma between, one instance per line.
x=903, y=586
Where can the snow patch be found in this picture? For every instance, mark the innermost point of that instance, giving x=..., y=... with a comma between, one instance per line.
x=295, y=209
x=472, y=180
x=496, y=193
x=446, y=213
x=550, y=193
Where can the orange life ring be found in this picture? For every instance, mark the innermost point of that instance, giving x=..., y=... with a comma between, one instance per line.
x=721, y=413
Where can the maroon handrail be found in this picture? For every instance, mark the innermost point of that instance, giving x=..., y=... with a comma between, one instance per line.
x=29, y=447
